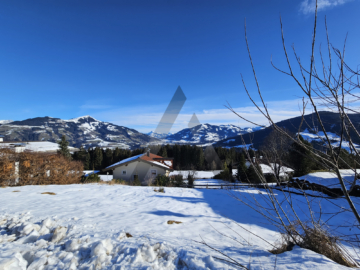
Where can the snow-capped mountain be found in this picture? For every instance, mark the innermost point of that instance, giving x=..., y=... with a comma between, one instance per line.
x=309, y=128
x=158, y=135
x=2, y=122
x=85, y=131
x=207, y=134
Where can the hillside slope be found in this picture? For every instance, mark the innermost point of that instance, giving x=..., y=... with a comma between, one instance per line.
x=85, y=131
x=310, y=125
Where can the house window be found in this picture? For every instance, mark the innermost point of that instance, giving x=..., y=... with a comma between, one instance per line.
x=153, y=172
x=123, y=172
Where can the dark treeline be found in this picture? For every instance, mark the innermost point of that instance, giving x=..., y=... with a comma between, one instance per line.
x=191, y=157
x=186, y=157
x=98, y=158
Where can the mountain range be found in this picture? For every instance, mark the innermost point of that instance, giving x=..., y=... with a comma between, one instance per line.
x=309, y=127
x=88, y=132
x=82, y=131
x=203, y=134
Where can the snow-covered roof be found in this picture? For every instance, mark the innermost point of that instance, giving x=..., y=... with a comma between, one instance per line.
x=125, y=161
x=143, y=157
x=330, y=179
x=267, y=169
x=160, y=164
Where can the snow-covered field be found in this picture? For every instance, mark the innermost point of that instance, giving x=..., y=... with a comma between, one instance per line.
x=330, y=179
x=38, y=146
x=85, y=226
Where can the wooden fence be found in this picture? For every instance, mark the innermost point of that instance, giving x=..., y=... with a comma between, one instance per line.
x=225, y=186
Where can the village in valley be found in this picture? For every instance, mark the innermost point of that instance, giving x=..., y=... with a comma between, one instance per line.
x=139, y=172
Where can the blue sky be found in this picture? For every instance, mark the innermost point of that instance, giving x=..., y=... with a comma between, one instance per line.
x=121, y=61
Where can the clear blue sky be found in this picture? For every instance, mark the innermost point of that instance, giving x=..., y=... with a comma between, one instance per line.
x=121, y=61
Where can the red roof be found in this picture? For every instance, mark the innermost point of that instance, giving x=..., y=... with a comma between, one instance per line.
x=160, y=159
x=150, y=157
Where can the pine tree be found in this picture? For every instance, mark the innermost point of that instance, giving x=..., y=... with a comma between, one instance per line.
x=87, y=162
x=230, y=167
x=252, y=174
x=64, y=147
x=241, y=173
x=226, y=174
x=226, y=169
x=164, y=152
x=251, y=153
x=116, y=155
x=84, y=157
x=108, y=160
x=301, y=158
x=98, y=158
x=200, y=158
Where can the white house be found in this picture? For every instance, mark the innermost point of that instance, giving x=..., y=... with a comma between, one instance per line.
x=268, y=169
x=145, y=167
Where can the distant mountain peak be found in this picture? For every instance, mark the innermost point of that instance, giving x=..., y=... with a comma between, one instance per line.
x=206, y=134
x=158, y=135
x=3, y=122
x=87, y=118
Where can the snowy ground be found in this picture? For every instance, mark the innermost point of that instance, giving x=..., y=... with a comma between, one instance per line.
x=85, y=226
x=200, y=174
x=38, y=146
x=197, y=174
x=329, y=179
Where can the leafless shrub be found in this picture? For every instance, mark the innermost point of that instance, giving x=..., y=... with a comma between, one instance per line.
x=318, y=240
x=31, y=168
x=161, y=190
x=325, y=87
x=8, y=158
x=328, y=87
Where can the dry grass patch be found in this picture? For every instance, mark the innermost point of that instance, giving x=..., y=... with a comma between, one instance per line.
x=173, y=221
x=319, y=241
x=16, y=191
x=282, y=247
x=49, y=193
x=161, y=190
x=112, y=182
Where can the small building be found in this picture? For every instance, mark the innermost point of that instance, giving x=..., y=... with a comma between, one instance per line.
x=33, y=146
x=144, y=167
x=269, y=169
x=19, y=147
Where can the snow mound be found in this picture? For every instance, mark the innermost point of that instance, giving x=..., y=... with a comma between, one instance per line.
x=25, y=249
